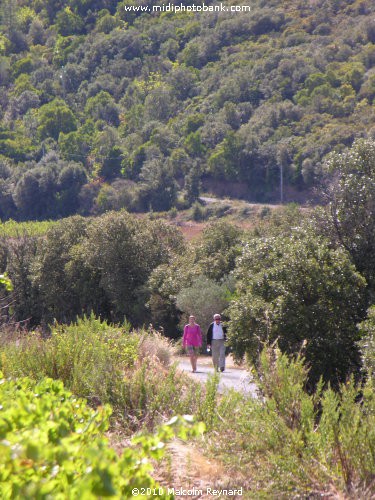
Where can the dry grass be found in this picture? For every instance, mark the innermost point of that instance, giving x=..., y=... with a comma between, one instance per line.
x=155, y=346
x=186, y=467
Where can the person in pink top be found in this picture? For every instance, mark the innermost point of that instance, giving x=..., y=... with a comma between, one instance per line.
x=192, y=341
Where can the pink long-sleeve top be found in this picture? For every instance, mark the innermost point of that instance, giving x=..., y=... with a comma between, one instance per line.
x=192, y=335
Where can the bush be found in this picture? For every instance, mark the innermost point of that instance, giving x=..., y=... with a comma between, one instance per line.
x=350, y=220
x=198, y=213
x=173, y=212
x=107, y=364
x=154, y=345
x=203, y=298
x=52, y=445
x=367, y=343
x=290, y=442
x=265, y=212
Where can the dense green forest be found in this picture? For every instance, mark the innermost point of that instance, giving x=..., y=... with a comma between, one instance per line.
x=106, y=108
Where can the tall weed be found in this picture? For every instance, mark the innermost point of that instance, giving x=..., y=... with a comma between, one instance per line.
x=86, y=356
x=289, y=442
x=207, y=411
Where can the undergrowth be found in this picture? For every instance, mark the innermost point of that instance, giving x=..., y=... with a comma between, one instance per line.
x=107, y=364
x=286, y=443
x=52, y=446
x=289, y=443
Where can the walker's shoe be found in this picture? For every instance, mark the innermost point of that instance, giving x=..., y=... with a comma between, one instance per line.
x=222, y=369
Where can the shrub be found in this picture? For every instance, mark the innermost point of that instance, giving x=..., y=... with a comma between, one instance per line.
x=294, y=289
x=265, y=212
x=52, y=446
x=108, y=364
x=290, y=442
x=153, y=344
x=173, y=212
x=198, y=212
x=208, y=409
x=85, y=355
x=367, y=343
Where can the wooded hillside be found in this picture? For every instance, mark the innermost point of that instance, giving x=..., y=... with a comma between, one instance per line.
x=103, y=108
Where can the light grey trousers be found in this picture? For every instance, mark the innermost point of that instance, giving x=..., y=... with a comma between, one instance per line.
x=218, y=353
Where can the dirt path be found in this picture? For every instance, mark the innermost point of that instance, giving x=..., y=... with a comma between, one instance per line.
x=186, y=470
x=193, y=475
x=233, y=377
x=186, y=467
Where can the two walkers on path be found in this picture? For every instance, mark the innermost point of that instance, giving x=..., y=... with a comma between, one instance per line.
x=216, y=337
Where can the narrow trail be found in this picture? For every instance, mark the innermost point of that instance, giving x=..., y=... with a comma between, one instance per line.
x=193, y=475
x=232, y=378
x=186, y=466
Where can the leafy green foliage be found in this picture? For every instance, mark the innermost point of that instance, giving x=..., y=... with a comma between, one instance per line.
x=351, y=214
x=158, y=189
x=293, y=289
x=218, y=248
x=68, y=22
x=169, y=101
x=12, y=229
x=367, y=342
x=5, y=282
x=122, y=251
x=53, y=118
x=52, y=445
x=83, y=265
x=49, y=190
x=102, y=107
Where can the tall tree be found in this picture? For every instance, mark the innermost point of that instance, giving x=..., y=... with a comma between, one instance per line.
x=294, y=289
x=351, y=206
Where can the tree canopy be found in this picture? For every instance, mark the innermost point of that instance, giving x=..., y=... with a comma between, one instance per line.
x=177, y=102
x=297, y=289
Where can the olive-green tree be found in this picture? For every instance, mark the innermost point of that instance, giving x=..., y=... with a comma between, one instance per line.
x=205, y=262
x=351, y=206
x=55, y=117
x=298, y=289
x=203, y=298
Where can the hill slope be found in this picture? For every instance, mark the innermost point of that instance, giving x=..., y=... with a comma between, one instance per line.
x=104, y=107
